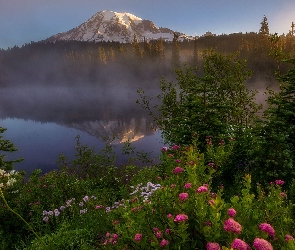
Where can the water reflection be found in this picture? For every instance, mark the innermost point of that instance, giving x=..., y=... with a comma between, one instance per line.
x=43, y=122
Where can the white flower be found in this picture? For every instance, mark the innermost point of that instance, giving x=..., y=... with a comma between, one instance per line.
x=10, y=182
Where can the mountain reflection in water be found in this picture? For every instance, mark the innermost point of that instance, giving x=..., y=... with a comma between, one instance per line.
x=43, y=123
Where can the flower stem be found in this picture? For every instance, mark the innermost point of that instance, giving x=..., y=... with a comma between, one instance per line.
x=18, y=215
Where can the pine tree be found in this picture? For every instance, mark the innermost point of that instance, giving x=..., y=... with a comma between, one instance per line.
x=195, y=58
x=6, y=146
x=175, y=58
x=102, y=55
x=135, y=47
x=264, y=30
x=277, y=158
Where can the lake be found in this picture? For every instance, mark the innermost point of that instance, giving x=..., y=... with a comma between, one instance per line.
x=43, y=122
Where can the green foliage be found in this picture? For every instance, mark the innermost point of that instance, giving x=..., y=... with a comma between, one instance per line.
x=65, y=238
x=211, y=101
x=6, y=146
x=276, y=154
x=216, y=104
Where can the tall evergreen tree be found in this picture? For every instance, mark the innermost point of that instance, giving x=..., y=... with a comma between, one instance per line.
x=6, y=146
x=277, y=152
x=175, y=58
x=195, y=58
x=136, y=48
x=264, y=30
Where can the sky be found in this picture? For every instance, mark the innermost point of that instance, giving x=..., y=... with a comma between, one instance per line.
x=23, y=21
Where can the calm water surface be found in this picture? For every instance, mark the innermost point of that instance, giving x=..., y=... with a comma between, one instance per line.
x=44, y=122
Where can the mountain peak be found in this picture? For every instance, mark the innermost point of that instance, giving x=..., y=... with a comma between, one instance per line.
x=109, y=25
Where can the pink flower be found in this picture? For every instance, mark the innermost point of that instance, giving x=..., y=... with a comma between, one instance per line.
x=279, y=182
x=231, y=225
x=187, y=185
x=169, y=216
x=115, y=222
x=212, y=246
x=288, y=237
x=175, y=147
x=177, y=170
x=202, y=189
x=164, y=149
x=240, y=245
x=159, y=234
x=261, y=244
x=115, y=236
x=173, y=186
x=191, y=163
x=231, y=212
x=164, y=243
x=180, y=218
x=267, y=228
x=207, y=223
x=178, y=160
x=183, y=196
x=167, y=231
x=137, y=237
x=156, y=229
x=212, y=202
x=282, y=194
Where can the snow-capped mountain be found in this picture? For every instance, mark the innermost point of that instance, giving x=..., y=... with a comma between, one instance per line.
x=114, y=26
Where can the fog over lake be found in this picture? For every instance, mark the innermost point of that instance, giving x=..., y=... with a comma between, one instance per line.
x=43, y=122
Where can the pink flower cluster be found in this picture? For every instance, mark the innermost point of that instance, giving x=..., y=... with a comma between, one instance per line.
x=230, y=225
x=240, y=245
x=175, y=147
x=261, y=244
x=183, y=196
x=177, y=170
x=111, y=239
x=187, y=185
x=212, y=246
x=279, y=182
x=180, y=218
x=202, y=189
x=211, y=202
x=231, y=212
x=288, y=237
x=164, y=243
x=138, y=237
x=265, y=227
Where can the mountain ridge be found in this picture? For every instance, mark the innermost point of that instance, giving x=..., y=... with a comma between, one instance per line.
x=114, y=26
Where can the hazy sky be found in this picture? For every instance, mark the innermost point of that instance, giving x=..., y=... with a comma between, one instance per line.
x=23, y=21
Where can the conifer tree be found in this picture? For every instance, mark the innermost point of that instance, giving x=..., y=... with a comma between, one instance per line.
x=102, y=56
x=277, y=158
x=175, y=59
x=135, y=47
x=264, y=30
x=6, y=146
x=146, y=48
x=195, y=58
